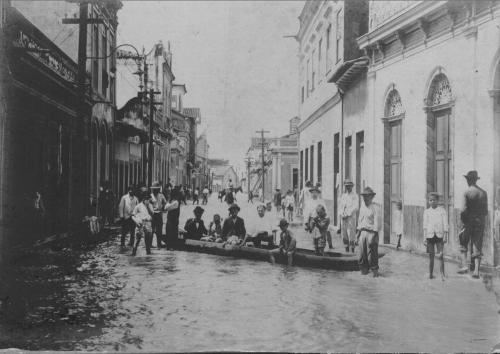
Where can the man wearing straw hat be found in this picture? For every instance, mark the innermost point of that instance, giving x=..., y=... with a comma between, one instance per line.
x=474, y=211
x=349, y=202
x=368, y=229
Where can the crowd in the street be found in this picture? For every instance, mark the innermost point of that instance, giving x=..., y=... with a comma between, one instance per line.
x=141, y=213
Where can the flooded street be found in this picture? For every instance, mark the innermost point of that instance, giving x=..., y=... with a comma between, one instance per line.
x=105, y=299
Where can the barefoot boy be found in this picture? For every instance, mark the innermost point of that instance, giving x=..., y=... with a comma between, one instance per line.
x=435, y=232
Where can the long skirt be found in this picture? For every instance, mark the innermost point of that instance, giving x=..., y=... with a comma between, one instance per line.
x=171, y=234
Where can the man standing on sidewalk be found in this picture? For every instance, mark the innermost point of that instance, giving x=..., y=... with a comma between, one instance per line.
x=349, y=202
x=474, y=211
x=125, y=209
x=277, y=201
x=205, y=195
x=158, y=201
x=368, y=230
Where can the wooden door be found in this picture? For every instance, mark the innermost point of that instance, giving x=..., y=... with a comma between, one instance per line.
x=442, y=158
x=395, y=176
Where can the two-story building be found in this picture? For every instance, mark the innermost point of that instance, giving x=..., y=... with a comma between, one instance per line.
x=331, y=95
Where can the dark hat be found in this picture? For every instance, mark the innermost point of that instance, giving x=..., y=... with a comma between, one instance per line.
x=155, y=185
x=472, y=175
x=434, y=194
x=314, y=189
x=283, y=222
x=368, y=191
x=198, y=209
x=348, y=182
x=234, y=206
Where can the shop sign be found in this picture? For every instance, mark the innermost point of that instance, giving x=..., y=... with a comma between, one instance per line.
x=134, y=139
x=49, y=59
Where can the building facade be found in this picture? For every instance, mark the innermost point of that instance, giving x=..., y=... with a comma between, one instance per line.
x=426, y=132
x=202, y=166
x=61, y=136
x=328, y=49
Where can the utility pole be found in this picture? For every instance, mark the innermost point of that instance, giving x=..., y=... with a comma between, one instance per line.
x=152, y=103
x=262, y=132
x=248, y=161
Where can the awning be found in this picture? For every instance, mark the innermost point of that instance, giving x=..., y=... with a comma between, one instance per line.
x=126, y=130
x=348, y=72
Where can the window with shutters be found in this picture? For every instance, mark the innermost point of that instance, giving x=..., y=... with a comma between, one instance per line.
x=320, y=162
x=439, y=139
x=306, y=165
x=311, y=163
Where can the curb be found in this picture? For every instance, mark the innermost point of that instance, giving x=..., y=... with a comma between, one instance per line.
x=489, y=269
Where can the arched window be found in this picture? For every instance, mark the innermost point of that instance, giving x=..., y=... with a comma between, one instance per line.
x=440, y=91
x=393, y=105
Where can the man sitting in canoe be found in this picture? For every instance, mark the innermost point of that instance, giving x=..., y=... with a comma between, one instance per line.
x=261, y=230
x=233, y=229
x=287, y=246
x=195, y=227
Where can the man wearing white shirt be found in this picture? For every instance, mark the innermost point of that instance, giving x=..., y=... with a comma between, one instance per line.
x=127, y=204
x=368, y=231
x=262, y=229
x=348, y=209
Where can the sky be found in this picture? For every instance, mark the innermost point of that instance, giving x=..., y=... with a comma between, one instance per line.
x=237, y=66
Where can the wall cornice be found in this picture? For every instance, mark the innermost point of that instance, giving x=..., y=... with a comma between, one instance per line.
x=332, y=102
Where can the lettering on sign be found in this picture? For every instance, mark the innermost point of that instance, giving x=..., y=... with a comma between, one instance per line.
x=50, y=60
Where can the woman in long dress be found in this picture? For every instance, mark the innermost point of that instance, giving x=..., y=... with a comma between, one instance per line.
x=173, y=208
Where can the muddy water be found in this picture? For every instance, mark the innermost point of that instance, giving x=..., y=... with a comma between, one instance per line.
x=180, y=301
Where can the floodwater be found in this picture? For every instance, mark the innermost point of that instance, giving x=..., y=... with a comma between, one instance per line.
x=104, y=299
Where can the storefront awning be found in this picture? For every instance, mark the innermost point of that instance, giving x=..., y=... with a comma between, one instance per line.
x=127, y=131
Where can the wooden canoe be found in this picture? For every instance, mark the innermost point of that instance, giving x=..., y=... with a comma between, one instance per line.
x=302, y=258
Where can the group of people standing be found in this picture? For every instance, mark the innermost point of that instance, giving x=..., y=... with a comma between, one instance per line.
x=360, y=225
x=141, y=215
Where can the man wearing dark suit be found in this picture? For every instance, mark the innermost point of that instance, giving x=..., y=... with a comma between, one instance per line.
x=233, y=225
x=195, y=227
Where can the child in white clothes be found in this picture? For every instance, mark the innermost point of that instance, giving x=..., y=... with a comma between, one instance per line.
x=435, y=232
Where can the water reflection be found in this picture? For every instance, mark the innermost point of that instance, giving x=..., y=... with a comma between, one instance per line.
x=108, y=300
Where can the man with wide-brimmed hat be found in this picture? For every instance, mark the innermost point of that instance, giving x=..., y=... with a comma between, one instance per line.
x=348, y=208
x=312, y=204
x=287, y=244
x=195, y=227
x=233, y=225
x=368, y=231
x=473, y=215
x=158, y=201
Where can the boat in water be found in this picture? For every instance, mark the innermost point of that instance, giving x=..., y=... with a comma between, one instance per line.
x=302, y=258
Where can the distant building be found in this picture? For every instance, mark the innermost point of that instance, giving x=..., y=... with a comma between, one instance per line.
x=202, y=166
x=193, y=117
x=281, y=162
x=222, y=175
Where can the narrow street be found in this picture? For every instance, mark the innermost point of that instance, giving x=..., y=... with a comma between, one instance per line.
x=105, y=299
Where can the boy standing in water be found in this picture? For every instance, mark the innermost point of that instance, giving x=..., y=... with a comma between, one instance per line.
x=319, y=226
x=142, y=216
x=435, y=232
